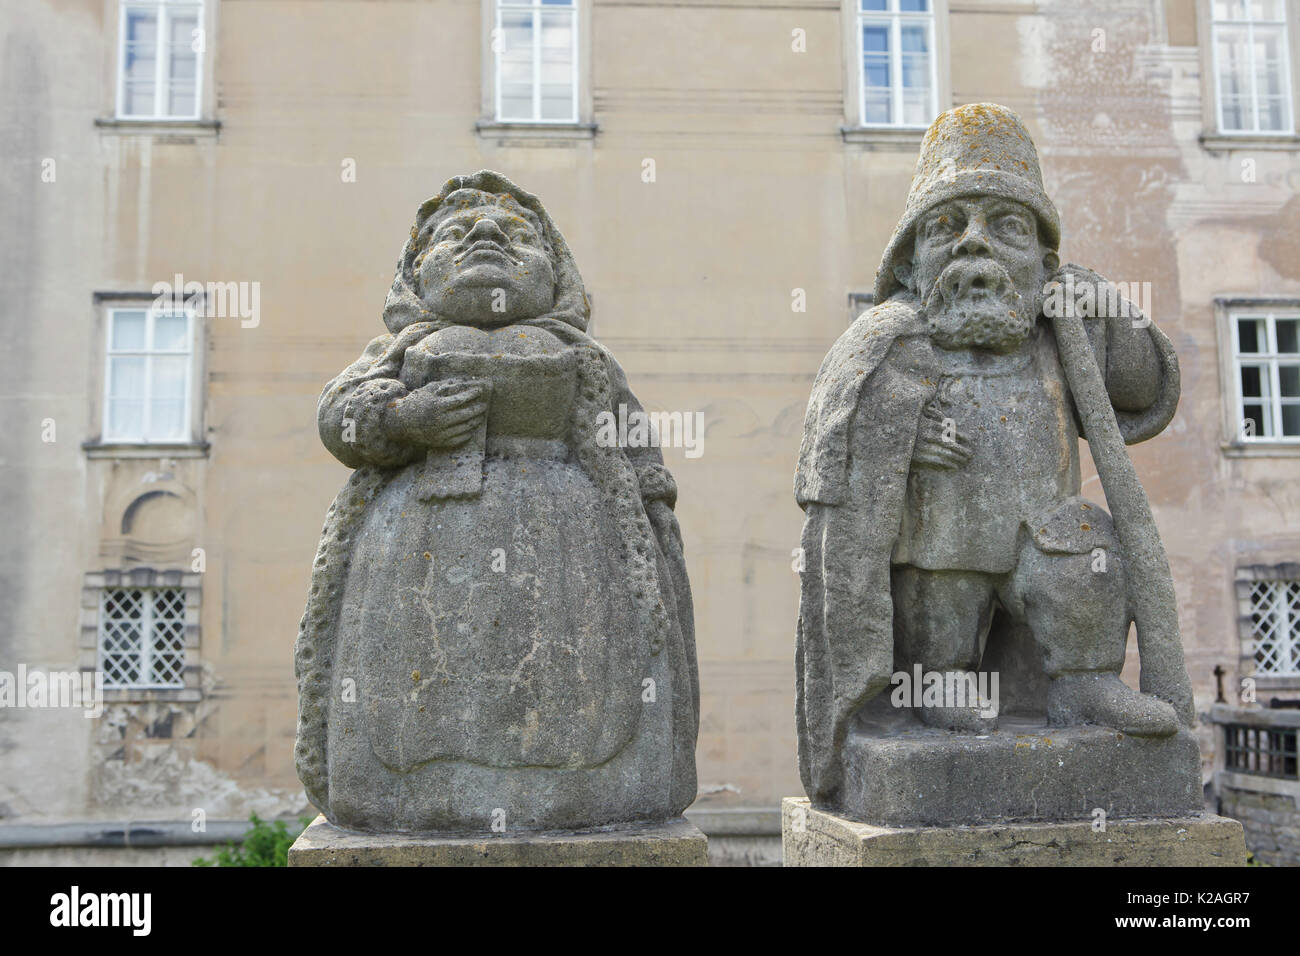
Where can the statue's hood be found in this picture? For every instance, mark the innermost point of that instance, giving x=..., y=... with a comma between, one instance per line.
x=404, y=305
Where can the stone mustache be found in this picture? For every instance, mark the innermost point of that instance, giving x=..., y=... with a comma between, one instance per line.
x=499, y=631
x=939, y=469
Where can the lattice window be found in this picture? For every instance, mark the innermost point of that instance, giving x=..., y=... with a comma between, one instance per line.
x=1264, y=751
x=142, y=637
x=1275, y=621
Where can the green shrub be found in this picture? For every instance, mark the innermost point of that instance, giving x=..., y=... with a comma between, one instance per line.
x=266, y=844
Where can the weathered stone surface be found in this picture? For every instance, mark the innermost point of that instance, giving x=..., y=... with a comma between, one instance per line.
x=500, y=623
x=1020, y=772
x=816, y=838
x=672, y=843
x=944, y=531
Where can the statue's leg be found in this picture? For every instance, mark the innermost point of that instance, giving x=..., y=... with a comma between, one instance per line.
x=941, y=619
x=1076, y=606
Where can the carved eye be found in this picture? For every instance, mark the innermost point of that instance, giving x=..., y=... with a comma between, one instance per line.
x=939, y=227
x=1012, y=227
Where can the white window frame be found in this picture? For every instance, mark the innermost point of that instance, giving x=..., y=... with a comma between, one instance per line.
x=146, y=648
x=536, y=7
x=1286, y=637
x=896, y=20
x=151, y=312
x=1272, y=360
x=164, y=10
x=1288, y=82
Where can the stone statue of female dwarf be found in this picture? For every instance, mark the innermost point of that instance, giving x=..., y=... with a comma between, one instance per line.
x=499, y=634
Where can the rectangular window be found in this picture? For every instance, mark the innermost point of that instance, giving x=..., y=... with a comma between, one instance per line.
x=1264, y=751
x=1252, y=73
x=142, y=637
x=147, y=377
x=896, y=50
x=159, y=66
x=1275, y=626
x=535, y=43
x=1266, y=359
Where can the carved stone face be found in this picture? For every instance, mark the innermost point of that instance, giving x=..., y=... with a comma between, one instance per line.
x=483, y=262
x=979, y=270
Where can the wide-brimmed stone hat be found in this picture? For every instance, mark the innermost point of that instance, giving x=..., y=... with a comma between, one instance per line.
x=976, y=149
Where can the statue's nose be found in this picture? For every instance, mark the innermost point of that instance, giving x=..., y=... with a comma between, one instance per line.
x=486, y=229
x=975, y=240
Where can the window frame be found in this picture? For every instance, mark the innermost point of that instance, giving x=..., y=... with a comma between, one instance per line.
x=896, y=20
x=95, y=583
x=536, y=8
x=151, y=311
x=163, y=10
x=892, y=137
x=1287, y=75
x=1272, y=361
x=146, y=651
x=1214, y=138
x=529, y=132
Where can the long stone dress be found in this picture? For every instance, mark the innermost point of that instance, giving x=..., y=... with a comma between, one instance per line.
x=492, y=645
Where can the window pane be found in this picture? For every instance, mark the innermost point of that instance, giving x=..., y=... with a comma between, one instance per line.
x=1232, y=50
x=557, y=65
x=1229, y=9
x=1288, y=379
x=169, y=330
x=167, y=408
x=1288, y=333
x=1250, y=335
x=128, y=330
x=1254, y=381
x=182, y=64
x=913, y=6
x=139, y=49
x=126, y=376
x=1291, y=420
x=1255, y=415
x=874, y=5
x=124, y=418
x=516, y=65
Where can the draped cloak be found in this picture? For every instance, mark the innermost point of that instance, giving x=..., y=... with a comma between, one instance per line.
x=860, y=427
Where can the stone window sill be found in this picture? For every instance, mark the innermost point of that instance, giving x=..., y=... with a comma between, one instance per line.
x=902, y=139
x=1261, y=449
x=187, y=129
x=112, y=449
x=507, y=134
x=1226, y=142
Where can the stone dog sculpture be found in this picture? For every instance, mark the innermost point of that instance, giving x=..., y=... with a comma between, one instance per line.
x=939, y=468
x=494, y=589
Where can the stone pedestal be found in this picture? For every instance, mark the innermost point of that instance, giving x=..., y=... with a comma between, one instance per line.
x=816, y=838
x=675, y=843
x=1023, y=772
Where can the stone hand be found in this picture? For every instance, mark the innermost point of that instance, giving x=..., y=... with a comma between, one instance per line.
x=440, y=414
x=939, y=445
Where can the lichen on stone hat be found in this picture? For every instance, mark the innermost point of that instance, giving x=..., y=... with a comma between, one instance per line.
x=976, y=149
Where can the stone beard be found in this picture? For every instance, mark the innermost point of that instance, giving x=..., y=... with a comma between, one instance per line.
x=975, y=304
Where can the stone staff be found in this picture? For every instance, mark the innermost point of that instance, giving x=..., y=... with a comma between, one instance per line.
x=1152, y=601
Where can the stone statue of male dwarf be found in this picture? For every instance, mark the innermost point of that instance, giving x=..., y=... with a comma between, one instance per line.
x=939, y=469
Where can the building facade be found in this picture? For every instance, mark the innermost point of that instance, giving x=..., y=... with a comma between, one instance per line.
x=727, y=173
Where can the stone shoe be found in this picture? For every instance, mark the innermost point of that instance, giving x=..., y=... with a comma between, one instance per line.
x=1093, y=698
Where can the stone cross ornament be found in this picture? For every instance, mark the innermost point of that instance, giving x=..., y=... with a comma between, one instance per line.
x=957, y=590
x=499, y=633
